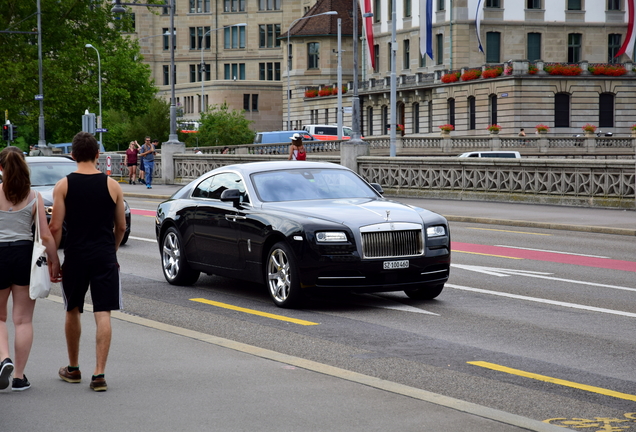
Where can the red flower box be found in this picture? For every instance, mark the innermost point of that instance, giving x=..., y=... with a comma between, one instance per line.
x=492, y=72
x=471, y=74
x=450, y=77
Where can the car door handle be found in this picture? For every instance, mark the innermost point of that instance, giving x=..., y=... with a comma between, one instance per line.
x=233, y=218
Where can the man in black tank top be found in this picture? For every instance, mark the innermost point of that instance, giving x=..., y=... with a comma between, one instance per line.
x=92, y=204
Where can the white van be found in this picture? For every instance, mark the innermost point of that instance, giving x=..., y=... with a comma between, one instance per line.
x=328, y=132
x=492, y=154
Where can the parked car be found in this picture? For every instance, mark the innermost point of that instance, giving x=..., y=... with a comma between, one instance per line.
x=328, y=132
x=45, y=173
x=277, y=137
x=301, y=227
x=492, y=154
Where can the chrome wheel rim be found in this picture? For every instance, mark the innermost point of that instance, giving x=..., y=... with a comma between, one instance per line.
x=278, y=275
x=171, y=256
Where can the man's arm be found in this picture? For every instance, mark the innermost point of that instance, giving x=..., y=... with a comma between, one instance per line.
x=120, y=217
x=59, y=210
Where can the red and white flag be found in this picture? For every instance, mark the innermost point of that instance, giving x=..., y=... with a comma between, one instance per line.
x=628, y=45
x=367, y=25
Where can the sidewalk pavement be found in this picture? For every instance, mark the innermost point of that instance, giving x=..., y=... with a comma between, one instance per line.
x=164, y=378
x=593, y=220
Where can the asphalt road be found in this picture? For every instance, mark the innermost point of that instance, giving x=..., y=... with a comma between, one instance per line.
x=533, y=322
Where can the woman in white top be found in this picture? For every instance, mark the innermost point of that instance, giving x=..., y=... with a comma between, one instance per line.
x=297, y=149
x=17, y=210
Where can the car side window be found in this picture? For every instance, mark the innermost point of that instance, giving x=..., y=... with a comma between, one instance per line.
x=226, y=181
x=203, y=188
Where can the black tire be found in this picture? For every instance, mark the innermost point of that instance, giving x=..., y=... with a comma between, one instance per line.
x=281, y=276
x=173, y=261
x=125, y=239
x=426, y=292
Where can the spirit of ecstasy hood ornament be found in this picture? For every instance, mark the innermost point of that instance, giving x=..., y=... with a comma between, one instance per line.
x=388, y=215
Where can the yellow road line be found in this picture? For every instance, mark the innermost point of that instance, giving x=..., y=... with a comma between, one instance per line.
x=508, y=231
x=565, y=383
x=254, y=312
x=477, y=253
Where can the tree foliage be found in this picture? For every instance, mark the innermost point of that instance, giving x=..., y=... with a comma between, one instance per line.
x=221, y=126
x=70, y=70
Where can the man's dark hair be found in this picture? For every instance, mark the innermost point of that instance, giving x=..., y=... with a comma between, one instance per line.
x=85, y=147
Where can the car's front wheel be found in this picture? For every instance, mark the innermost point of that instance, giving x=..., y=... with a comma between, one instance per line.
x=175, y=267
x=281, y=276
x=426, y=292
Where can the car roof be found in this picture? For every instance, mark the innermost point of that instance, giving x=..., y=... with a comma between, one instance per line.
x=254, y=167
x=49, y=159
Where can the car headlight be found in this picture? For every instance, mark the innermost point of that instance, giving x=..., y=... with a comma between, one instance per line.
x=436, y=231
x=126, y=206
x=331, y=236
x=48, y=209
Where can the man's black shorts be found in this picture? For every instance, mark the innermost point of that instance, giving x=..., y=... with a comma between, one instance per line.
x=104, y=281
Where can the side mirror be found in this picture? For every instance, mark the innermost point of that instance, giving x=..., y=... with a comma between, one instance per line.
x=231, y=195
x=378, y=188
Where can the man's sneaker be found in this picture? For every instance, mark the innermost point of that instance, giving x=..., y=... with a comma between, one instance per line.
x=70, y=376
x=21, y=384
x=6, y=369
x=98, y=383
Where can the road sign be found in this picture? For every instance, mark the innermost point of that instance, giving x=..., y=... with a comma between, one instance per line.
x=102, y=130
x=39, y=97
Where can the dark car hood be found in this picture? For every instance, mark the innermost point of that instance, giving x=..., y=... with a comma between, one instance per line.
x=46, y=192
x=350, y=211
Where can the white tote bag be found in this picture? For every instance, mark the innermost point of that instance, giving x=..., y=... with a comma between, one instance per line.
x=40, y=284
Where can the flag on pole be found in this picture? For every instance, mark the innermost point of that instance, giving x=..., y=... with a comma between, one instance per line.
x=478, y=24
x=628, y=45
x=367, y=24
x=426, y=28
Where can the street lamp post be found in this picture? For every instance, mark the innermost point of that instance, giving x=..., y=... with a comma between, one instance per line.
x=99, y=81
x=203, y=65
x=289, y=59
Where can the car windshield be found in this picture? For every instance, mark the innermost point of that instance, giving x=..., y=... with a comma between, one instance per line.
x=48, y=173
x=310, y=184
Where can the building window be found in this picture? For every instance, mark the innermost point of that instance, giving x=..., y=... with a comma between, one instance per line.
x=199, y=6
x=441, y=5
x=533, y=4
x=268, y=35
x=416, y=117
x=614, y=5
x=376, y=55
x=471, y=113
x=234, y=71
x=407, y=8
x=246, y=102
x=450, y=111
x=206, y=71
x=492, y=102
x=326, y=115
x=385, y=120
x=422, y=60
x=166, y=38
x=269, y=5
x=574, y=5
x=561, y=110
x=313, y=55
x=377, y=8
x=234, y=37
x=429, y=111
x=234, y=6
x=493, y=3
x=193, y=73
x=254, y=102
x=440, y=48
x=606, y=110
x=370, y=121
x=493, y=47
x=196, y=37
x=613, y=45
x=574, y=47
x=534, y=46
x=166, y=75
x=407, y=54
x=269, y=71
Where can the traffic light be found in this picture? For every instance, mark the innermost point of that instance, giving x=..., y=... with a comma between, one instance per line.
x=14, y=132
x=6, y=132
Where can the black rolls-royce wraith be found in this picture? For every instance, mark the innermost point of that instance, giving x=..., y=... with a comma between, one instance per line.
x=299, y=227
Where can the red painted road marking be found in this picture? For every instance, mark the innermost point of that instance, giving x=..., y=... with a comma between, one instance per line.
x=545, y=256
x=143, y=212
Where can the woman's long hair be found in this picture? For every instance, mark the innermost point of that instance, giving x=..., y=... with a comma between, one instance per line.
x=15, y=175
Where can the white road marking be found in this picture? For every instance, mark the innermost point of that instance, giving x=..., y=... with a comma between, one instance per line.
x=545, y=301
x=539, y=275
x=371, y=300
x=551, y=251
x=143, y=239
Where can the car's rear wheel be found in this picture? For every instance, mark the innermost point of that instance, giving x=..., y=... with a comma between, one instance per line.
x=175, y=267
x=281, y=276
x=125, y=238
x=425, y=292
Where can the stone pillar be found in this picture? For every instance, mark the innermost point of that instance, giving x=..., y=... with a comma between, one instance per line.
x=584, y=64
x=350, y=150
x=46, y=150
x=543, y=143
x=168, y=150
x=590, y=143
x=447, y=143
x=540, y=65
x=495, y=141
x=520, y=67
x=629, y=66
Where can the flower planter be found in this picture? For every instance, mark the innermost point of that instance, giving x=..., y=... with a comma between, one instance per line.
x=494, y=132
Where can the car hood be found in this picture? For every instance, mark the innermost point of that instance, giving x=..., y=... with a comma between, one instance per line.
x=352, y=212
x=46, y=192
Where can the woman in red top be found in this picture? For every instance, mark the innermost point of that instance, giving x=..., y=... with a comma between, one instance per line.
x=131, y=161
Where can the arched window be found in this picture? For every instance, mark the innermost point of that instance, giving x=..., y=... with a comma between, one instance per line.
x=471, y=112
x=416, y=117
x=606, y=110
x=450, y=107
x=370, y=121
x=492, y=103
x=561, y=110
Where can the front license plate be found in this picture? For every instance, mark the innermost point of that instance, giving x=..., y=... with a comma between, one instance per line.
x=390, y=265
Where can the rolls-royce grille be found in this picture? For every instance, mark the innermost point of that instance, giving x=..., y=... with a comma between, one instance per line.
x=390, y=244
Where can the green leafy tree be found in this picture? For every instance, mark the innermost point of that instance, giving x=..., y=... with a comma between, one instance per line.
x=154, y=123
x=70, y=70
x=221, y=126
